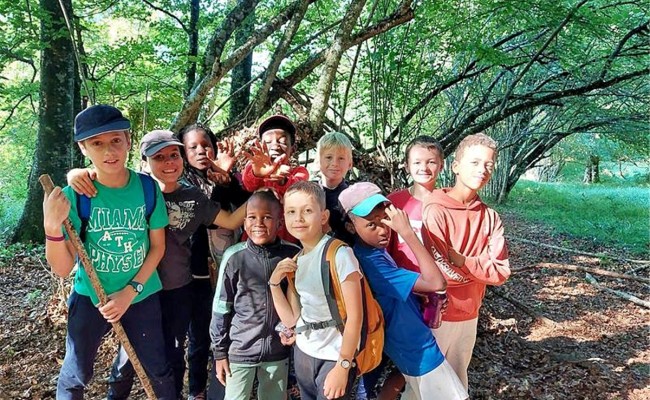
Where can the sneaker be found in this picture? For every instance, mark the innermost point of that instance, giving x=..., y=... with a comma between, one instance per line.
x=198, y=396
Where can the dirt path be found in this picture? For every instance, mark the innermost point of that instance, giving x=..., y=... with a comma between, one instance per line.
x=596, y=348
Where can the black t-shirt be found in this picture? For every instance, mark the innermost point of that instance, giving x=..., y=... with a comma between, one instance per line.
x=338, y=217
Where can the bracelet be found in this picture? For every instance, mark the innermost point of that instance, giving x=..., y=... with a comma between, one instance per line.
x=54, y=238
x=273, y=284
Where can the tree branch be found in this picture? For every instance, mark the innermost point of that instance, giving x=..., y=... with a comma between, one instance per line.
x=169, y=14
x=332, y=60
x=533, y=59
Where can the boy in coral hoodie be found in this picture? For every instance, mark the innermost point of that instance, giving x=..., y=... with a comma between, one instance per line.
x=466, y=238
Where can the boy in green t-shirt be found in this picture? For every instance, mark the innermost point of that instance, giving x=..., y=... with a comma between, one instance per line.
x=125, y=249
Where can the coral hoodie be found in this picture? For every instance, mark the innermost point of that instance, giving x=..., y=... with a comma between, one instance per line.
x=475, y=231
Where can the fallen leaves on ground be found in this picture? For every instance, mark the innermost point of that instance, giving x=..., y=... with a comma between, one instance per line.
x=595, y=348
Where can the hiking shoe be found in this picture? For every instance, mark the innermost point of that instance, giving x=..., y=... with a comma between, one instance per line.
x=198, y=396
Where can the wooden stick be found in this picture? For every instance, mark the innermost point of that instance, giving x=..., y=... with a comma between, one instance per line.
x=618, y=293
x=595, y=271
x=523, y=307
x=550, y=246
x=48, y=186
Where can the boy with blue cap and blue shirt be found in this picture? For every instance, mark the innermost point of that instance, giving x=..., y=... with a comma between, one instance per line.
x=414, y=350
x=125, y=247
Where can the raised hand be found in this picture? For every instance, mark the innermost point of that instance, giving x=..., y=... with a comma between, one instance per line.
x=56, y=208
x=397, y=220
x=263, y=165
x=226, y=155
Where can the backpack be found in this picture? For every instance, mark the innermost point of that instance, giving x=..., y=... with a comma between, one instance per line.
x=83, y=203
x=371, y=344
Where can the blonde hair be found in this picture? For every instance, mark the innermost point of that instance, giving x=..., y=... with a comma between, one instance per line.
x=478, y=139
x=334, y=140
x=310, y=189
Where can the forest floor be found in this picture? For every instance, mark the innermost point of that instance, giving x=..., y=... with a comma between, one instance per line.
x=564, y=340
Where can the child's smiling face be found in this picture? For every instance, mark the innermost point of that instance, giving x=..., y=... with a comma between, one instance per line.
x=107, y=151
x=167, y=164
x=262, y=220
x=278, y=142
x=475, y=166
x=335, y=163
x=424, y=165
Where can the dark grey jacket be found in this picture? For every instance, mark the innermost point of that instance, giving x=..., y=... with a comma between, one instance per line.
x=243, y=317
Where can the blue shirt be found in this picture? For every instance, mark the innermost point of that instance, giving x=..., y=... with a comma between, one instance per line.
x=408, y=340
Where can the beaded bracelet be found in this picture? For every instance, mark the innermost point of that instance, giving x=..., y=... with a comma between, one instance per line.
x=55, y=238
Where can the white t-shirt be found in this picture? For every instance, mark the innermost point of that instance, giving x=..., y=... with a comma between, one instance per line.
x=324, y=344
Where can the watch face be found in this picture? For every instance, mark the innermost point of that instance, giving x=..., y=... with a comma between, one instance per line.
x=137, y=286
x=345, y=364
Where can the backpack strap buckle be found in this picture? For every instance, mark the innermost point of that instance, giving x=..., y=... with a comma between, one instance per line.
x=315, y=326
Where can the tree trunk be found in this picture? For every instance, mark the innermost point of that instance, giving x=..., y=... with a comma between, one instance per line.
x=592, y=170
x=53, y=153
x=193, y=34
x=240, y=89
x=340, y=44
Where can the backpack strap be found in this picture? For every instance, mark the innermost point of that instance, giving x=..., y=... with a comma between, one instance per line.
x=332, y=283
x=331, y=287
x=83, y=210
x=150, y=198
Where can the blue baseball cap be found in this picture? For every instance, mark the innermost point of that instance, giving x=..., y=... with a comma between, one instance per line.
x=99, y=119
x=361, y=198
x=157, y=140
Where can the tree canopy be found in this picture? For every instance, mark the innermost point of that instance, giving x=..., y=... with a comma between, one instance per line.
x=529, y=73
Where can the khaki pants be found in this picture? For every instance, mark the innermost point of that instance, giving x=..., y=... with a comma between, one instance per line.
x=272, y=377
x=456, y=341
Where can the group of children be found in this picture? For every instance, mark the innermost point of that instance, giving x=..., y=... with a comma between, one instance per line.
x=269, y=293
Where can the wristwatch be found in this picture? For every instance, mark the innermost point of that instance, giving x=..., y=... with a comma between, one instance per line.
x=345, y=363
x=137, y=286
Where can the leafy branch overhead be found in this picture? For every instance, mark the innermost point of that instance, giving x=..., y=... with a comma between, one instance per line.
x=528, y=73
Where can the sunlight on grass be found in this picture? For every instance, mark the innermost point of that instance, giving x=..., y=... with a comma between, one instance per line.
x=604, y=214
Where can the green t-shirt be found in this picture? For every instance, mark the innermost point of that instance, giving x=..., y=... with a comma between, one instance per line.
x=117, y=237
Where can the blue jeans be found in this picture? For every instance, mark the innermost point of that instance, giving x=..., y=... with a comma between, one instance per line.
x=176, y=305
x=87, y=327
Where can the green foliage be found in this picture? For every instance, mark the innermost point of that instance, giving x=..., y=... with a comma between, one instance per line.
x=9, y=252
x=612, y=215
x=137, y=56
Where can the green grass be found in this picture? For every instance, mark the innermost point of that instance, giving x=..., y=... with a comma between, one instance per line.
x=610, y=173
x=606, y=214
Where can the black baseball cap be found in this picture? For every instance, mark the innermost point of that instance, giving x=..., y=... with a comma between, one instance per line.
x=278, y=122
